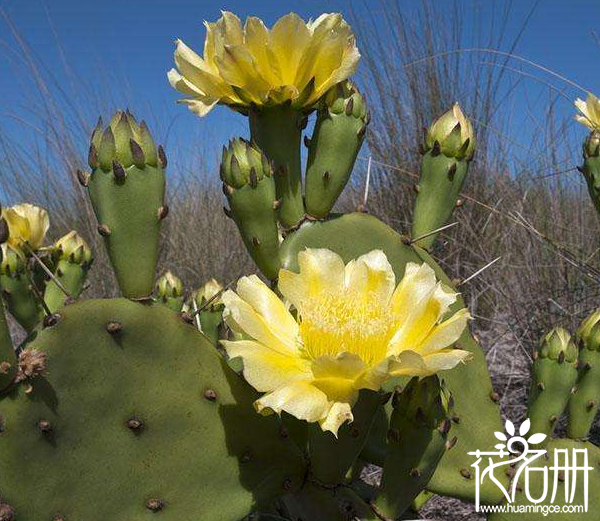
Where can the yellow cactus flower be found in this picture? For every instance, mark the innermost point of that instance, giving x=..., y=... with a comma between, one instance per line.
x=293, y=61
x=26, y=224
x=590, y=111
x=353, y=329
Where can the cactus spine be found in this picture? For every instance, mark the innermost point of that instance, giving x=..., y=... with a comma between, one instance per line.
x=127, y=188
x=338, y=135
x=449, y=147
x=583, y=405
x=417, y=440
x=249, y=186
x=554, y=374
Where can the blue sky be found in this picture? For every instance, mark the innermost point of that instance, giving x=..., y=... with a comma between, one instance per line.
x=120, y=50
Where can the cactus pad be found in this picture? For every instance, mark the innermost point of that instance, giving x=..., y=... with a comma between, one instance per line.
x=136, y=415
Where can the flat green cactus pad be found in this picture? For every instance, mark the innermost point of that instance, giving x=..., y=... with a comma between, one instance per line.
x=137, y=416
x=476, y=416
x=536, y=487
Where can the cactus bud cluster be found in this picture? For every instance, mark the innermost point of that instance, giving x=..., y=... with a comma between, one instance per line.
x=169, y=290
x=243, y=163
x=558, y=345
x=11, y=262
x=451, y=134
x=73, y=248
x=123, y=142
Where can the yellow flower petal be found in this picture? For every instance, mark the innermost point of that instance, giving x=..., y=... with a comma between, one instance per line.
x=26, y=224
x=300, y=399
x=288, y=40
x=321, y=270
x=266, y=369
x=336, y=376
x=590, y=111
x=338, y=414
x=246, y=319
x=268, y=305
x=410, y=363
x=371, y=273
x=446, y=333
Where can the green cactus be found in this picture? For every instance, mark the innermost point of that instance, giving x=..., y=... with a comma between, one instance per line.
x=139, y=400
x=476, y=413
x=73, y=258
x=277, y=130
x=16, y=282
x=249, y=186
x=417, y=440
x=583, y=404
x=591, y=166
x=169, y=291
x=449, y=147
x=553, y=375
x=127, y=188
x=338, y=135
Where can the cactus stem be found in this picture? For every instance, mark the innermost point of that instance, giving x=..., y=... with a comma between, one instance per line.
x=162, y=157
x=163, y=211
x=155, y=505
x=114, y=327
x=119, y=171
x=103, y=230
x=83, y=178
x=210, y=395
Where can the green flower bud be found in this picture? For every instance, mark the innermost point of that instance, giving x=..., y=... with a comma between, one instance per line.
x=345, y=97
x=243, y=163
x=425, y=401
x=13, y=261
x=591, y=146
x=169, y=285
x=74, y=249
x=206, y=292
x=453, y=133
x=589, y=332
x=557, y=344
x=125, y=141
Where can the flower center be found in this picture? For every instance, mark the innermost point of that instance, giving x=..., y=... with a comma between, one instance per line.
x=347, y=322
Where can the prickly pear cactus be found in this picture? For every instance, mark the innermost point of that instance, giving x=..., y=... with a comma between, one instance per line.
x=553, y=376
x=127, y=189
x=131, y=412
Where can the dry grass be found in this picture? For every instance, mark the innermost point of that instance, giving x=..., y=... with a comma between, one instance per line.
x=524, y=202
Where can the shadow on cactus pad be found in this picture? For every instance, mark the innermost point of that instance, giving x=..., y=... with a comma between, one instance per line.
x=130, y=420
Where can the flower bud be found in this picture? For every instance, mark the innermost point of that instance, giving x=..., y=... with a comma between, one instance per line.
x=591, y=145
x=558, y=341
x=345, y=97
x=27, y=224
x=169, y=285
x=454, y=134
x=73, y=248
x=243, y=163
x=589, y=332
x=12, y=261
